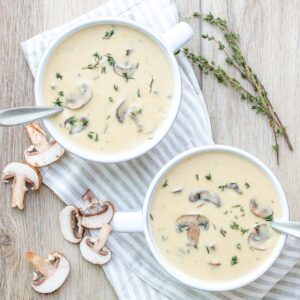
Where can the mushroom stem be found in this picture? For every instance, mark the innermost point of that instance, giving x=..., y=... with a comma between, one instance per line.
x=102, y=237
x=40, y=264
x=19, y=189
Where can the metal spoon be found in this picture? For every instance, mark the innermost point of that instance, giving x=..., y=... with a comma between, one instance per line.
x=291, y=228
x=22, y=115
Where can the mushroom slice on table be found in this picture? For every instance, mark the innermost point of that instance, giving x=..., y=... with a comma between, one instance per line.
x=94, y=250
x=22, y=174
x=96, y=212
x=257, y=239
x=41, y=152
x=81, y=97
x=192, y=224
x=70, y=224
x=259, y=211
x=49, y=273
x=205, y=196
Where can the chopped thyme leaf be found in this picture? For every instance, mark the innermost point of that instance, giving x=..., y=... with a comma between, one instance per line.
x=234, y=225
x=103, y=70
x=116, y=88
x=247, y=185
x=225, y=212
x=97, y=56
x=72, y=120
x=57, y=102
x=238, y=246
x=269, y=218
x=177, y=52
x=127, y=77
x=90, y=135
x=96, y=137
x=151, y=217
x=84, y=121
x=107, y=117
x=93, y=136
x=110, y=99
x=128, y=51
x=110, y=59
x=151, y=84
x=59, y=76
x=197, y=177
x=137, y=65
x=244, y=230
x=207, y=249
x=61, y=94
x=234, y=260
x=208, y=177
x=223, y=232
x=165, y=183
x=139, y=93
x=108, y=34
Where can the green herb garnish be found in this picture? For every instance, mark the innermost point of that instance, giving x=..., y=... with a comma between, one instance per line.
x=110, y=99
x=197, y=177
x=151, y=84
x=238, y=246
x=165, y=183
x=127, y=77
x=151, y=217
x=247, y=185
x=103, y=70
x=269, y=218
x=244, y=230
x=116, y=88
x=234, y=226
x=223, y=232
x=139, y=93
x=110, y=59
x=58, y=102
x=234, y=260
x=208, y=177
x=109, y=34
x=59, y=76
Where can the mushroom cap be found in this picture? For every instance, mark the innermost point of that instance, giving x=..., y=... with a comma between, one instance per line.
x=98, y=258
x=259, y=211
x=70, y=224
x=204, y=196
x=80, y=98
x=96, y=219
x=31, y=173
x=257, y=239
x=40, y=159
x=57, y=278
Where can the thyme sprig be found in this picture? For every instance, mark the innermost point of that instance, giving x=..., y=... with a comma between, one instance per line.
x=257, y=97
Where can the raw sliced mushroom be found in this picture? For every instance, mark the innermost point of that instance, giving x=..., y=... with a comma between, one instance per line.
x=205, y=196
x=75, y=126
x=22, y=174
x=192, y=224
x=257, y=239
x=259, y=211
x=232, y=186
x=70, y=224
x=41, y=152
x=81, y=97
x=49, y=273
x=96, y=212
x=94, y=250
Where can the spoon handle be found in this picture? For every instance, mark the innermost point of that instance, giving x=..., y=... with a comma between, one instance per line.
x=22, y=115
x=291, y=228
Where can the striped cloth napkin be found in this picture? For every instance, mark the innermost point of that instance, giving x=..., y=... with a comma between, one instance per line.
x=133, y=271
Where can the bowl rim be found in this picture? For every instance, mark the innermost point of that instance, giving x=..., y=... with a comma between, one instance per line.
x=161, y=132
x=204, y=284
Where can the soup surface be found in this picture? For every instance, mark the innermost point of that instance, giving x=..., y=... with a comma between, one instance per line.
x=115, y=84
x=210, y=216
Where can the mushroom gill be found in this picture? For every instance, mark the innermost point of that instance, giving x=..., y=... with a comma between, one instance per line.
x=192, y=224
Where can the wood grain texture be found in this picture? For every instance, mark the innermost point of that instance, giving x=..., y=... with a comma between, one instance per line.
x=269, y=32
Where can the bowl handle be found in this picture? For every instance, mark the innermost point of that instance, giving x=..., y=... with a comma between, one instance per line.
x=131, y=221
x=177, y=36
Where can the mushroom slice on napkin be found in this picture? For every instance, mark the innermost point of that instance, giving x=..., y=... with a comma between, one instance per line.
x=41, y=152
x=70, y=224
x=22, y=174
x=96, y=212
x=49, y=273
x=94, y=250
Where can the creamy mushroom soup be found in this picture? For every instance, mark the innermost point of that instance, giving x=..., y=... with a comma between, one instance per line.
x=210, y=216
x=115, y=84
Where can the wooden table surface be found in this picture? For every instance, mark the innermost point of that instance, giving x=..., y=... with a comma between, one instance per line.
x=270, y=38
